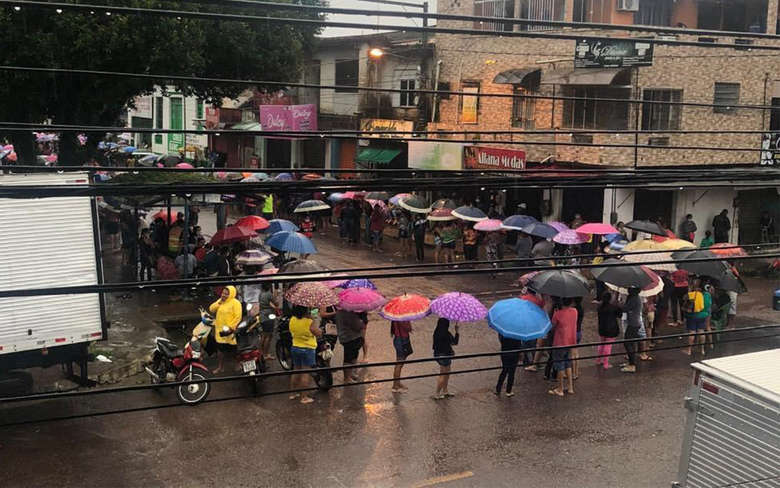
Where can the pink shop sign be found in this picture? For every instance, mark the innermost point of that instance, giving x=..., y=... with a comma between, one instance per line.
x=292, y=118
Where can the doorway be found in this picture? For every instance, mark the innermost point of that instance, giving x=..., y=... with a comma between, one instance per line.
x=652, y=205
x=588, y=202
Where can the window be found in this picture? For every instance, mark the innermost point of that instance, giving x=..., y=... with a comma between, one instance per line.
x=199, y=109
x=656, y=12
x=494, y=8
x=661, y=116
x=595, y=114
x=177, y=114
x=158, y=112
x=727, y=95
x=522, y=109
x=469, y=104
x=541, y=10
x=732, y=15
x=347, y=74
x=408, y=97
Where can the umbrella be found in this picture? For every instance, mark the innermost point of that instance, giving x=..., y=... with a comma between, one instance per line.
x=597, y=228
x=559, y=226
x=360, y=299
x=260, y=176
x=165, y=215
x=726, y=249
x=302, y=266
x=311, y=177
x=406, y=307
x=397, y=198
x=253, y=222
x=349, y=195
x=232, y=233
x=445, y=203
x=539, y=229
x=311, y=294
x=280, y=225
x=253, y=257
x=284, y=177
x=336, y=197
x=526, y=278
x=374, y=203
x=713, y=269
x=634, y=257
x=472, y=214
x=129, y=149
x=377, y=195
x=643, y=245
x=184, y=166
x=655, y=287
x=517, y=222
x=311, y=206
x=334, y=283
x=459, y=307
x=560, y=284
x=667, y=235
x=489, y=225
x=615, y=237
x=359, y=283
x=518, y=319
x=646, y=226
x=625, y=276
x=570, y=237
x=291, y=241
x=441, y=215
x=676, y=244
x=415, y=204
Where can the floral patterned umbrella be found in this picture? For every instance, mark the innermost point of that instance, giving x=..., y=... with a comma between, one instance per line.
x=559, y=226
x=459, y=307
x=406, y=307
x=253, y=257
x=360, y=299
x=570, y=237
x=311, y=294
x=359, y=283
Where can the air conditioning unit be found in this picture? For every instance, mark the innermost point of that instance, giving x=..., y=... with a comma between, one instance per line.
x=628, y=5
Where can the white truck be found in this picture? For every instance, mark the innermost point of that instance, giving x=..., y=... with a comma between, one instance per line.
x=732, y=436
x=49, y=242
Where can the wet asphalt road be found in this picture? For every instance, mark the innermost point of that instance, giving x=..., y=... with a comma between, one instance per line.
x=616, y=431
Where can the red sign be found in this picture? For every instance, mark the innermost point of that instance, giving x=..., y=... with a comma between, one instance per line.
x=212, y=118
x=475, y=157
x=292, y=118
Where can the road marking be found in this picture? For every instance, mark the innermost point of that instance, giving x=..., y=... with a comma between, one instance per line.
x=444, y=479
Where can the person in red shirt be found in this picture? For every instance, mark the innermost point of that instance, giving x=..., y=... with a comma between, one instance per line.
x=377, y=226
x=680, y=281
x=564, y=322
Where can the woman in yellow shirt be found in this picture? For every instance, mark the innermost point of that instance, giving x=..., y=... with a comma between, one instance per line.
x=305, y=332
x=227, y=312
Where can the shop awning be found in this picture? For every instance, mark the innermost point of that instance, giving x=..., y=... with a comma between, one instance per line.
x=587, y=76
x=377, y=155
x=527, y=77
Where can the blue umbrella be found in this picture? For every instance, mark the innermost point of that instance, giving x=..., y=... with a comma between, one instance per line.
x=517, y=222
x=280, y=225
x=284, y=177
x=359, y=283
x=148, y=160
x=129, y=149
x=336, y=197
x=539, y=229
x=518, y=319
x=290, y=241
x=614, y=237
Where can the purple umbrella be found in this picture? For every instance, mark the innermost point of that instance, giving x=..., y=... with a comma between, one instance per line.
x=360, y=300
x=458, y=307
x=570, y=237
x=334, y=283
x=359, y=283
x=559, y=226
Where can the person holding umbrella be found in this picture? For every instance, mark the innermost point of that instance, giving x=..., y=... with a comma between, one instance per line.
x=633, y=308
x=443, y=340
x=351, y=329
x=419, y=227
x=564, y=322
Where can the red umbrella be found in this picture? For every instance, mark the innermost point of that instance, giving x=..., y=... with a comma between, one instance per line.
x=233, y=233
x=597, y=228
x=253, y=222
x=311, y=177
x=163, y=214
x=727, y=249
x=406, y=307
x=441, y=215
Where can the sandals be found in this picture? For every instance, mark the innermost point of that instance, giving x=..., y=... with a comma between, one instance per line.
x=555, y=392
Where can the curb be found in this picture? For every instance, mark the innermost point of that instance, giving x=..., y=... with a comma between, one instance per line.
x=118, y=373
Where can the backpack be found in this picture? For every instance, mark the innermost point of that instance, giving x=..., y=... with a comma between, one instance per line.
x=695, y=303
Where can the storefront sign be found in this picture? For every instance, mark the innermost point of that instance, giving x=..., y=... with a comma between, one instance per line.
x=614, y=53
x=770, y=150
x=386, y=127
x=435, y=155
x=476, y=157
x=293, y=118
x=212, y=118
x=143, y=107
x=469, y=105
x=175, y=141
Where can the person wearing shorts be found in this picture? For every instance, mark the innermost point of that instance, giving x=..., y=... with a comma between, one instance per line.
x=304, y=331
x=732, y=310
x=443, y=340
x=402, y=343
x=350, y=332
x=564, y=322
x=695, y=321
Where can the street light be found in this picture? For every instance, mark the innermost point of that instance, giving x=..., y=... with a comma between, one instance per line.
x=376, y=53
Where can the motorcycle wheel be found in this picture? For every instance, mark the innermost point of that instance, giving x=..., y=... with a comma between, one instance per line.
x=284, y=356
x=324, y=380
x=194, y=393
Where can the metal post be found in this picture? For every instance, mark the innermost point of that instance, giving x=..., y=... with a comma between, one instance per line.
x=636, y=118
x=425, y=24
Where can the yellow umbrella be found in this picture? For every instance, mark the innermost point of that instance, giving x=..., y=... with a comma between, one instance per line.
x=643, y=245
x=676, y=244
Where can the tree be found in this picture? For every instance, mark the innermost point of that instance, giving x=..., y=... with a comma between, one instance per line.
x=133, y=44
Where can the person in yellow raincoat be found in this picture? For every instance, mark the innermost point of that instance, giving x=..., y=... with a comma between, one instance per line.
x=227, y=312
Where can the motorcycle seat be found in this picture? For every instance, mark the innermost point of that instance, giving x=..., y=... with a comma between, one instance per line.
x=169, y=348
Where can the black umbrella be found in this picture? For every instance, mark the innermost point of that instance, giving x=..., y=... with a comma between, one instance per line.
x=415, y=204
x=713, y=269
x=472, y=214
x=539, y=229
x=560, y=284
x=624, y=276
x=377, y=195
x=646, y=226
x=444, y=203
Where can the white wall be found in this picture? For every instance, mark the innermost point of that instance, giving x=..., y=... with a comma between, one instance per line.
x=330, y=101
x=704, y=204
x=623, y=203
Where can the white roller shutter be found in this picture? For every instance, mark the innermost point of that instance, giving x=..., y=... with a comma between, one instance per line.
x=47, y=242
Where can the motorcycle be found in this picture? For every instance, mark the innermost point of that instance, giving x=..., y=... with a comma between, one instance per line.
x=324, y=353
x=248, y=355
x=170, y=364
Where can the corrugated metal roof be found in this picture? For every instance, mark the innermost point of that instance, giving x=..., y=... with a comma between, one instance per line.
x=760, y=370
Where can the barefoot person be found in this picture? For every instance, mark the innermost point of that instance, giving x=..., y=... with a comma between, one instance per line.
x=443, y=340
x=228, y=315
x=403, y=349
x=564, y=322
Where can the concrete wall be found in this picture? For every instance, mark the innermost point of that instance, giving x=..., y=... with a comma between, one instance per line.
x=331, y=102
x=623, y=205
x=704, y=205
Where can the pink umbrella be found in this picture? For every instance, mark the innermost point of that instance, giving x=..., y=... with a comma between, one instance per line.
x=570, y=237
x=268, y=271
x=376, y=202
x=559, y=226
x=360, y=299
x=51, y=158
x=185, y=166
x=490, y=225
x=597, y=228
x=334, y=283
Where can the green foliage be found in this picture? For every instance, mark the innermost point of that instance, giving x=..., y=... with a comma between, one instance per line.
x=135, y=44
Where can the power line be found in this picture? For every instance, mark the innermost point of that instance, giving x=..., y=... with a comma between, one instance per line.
x=267, y=20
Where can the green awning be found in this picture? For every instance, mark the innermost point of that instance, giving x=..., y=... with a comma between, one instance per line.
x=378, y=156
